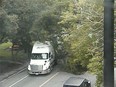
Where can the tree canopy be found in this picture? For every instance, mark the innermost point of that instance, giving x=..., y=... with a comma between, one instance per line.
x=75, y=27
x=83, y=25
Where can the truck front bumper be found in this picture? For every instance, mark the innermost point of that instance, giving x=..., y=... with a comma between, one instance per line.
x=39, y=72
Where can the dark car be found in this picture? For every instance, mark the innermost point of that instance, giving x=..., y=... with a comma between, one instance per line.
x=77, y=82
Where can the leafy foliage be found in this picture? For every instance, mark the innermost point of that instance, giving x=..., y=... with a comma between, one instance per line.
x=83, y=25
x=28, y=20
x=74, y=27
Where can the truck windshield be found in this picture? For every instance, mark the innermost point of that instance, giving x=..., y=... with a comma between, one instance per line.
x=39, y=56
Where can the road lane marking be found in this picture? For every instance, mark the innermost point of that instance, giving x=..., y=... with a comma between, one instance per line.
x=49, y=79
x=17, y=72
x=18, y=81
x=13, y=75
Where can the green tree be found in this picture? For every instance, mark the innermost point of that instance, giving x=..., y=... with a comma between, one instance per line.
x=2, y=28
x=8, y=25
x=33, y=20
x=46, y=27
x=0, y=2
x=83, y=25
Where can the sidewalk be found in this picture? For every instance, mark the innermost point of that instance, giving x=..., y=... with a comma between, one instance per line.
x=8, y=68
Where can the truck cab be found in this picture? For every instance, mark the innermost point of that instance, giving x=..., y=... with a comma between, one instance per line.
x=42, y=58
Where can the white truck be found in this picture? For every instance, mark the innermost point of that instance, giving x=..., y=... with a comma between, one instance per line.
x=42, y=58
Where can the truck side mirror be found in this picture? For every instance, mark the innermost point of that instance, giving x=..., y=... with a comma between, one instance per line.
x=49, y=55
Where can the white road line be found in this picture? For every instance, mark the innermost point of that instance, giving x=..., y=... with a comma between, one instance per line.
x=17, y=72
x=49, y=79
x=18, y=81
x=13, y=74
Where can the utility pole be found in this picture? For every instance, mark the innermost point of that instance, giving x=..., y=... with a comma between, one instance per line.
x=108, y=43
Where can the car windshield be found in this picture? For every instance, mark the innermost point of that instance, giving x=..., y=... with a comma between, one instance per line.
x=39, y=56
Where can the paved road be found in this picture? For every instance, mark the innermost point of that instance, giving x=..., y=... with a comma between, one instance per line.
x=54, y=79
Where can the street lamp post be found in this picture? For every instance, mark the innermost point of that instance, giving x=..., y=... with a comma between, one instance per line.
x=108, y=43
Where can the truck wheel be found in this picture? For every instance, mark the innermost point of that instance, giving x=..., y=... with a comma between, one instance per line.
x=50, y=69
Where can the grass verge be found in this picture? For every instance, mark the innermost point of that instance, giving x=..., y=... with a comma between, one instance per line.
x=6, y=53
